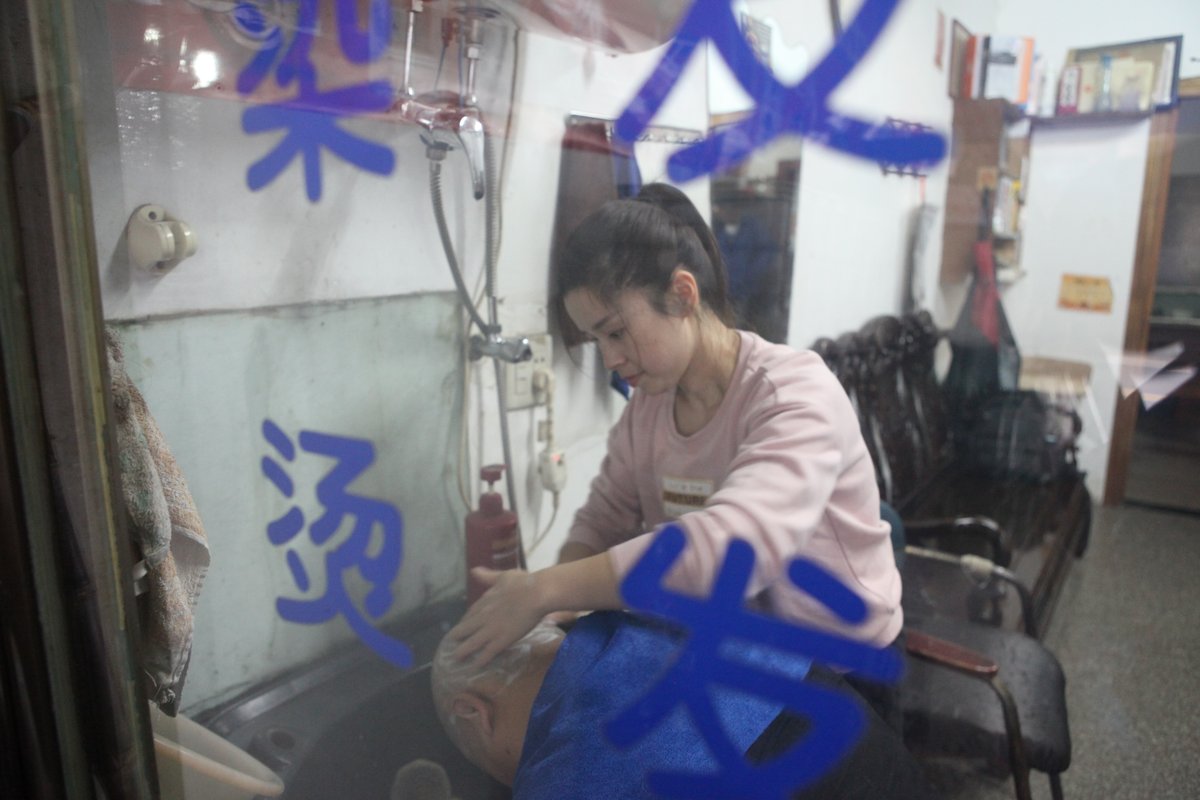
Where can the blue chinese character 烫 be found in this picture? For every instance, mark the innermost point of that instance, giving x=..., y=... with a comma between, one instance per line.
x=378, y=564
x=800, y=109
x=311, y=119
x=705, y=663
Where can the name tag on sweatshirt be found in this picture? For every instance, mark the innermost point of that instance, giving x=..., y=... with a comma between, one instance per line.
x=681, y=495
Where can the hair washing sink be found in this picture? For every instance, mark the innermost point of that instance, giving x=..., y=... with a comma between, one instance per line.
x=344, y=726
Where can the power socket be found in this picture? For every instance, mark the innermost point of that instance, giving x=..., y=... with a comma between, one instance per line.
x=518, y=378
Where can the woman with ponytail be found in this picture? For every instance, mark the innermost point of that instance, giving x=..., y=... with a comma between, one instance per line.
x=727, y=435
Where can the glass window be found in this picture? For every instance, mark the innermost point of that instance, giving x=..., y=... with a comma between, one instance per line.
x=839, y=358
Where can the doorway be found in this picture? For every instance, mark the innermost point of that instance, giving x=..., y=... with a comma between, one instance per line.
x=1164, y=467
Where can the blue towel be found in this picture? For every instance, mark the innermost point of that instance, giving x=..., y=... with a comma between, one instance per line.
x=608, y=661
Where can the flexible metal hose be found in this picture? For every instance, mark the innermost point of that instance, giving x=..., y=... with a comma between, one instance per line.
x=439, y=214
x=491, y=254
x=491, y=209
x=491, y=237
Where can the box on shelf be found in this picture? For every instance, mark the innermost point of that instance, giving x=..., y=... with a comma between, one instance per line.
x=999, y=68
x=1141, y=75
x=1088, y=87
x=975, y=62
x=1132, y=84
x=1008, y=68
x=1069, y=87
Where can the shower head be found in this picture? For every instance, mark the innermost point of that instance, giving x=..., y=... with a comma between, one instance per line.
x=446, y=122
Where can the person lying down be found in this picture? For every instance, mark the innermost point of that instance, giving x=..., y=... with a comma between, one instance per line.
x=533, y=718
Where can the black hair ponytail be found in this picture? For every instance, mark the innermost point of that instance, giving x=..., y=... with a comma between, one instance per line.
x=637, y=244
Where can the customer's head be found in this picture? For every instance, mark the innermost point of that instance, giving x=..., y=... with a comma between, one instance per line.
x=485, y=707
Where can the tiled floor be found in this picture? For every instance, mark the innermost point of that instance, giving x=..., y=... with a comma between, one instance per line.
x=1126, y=633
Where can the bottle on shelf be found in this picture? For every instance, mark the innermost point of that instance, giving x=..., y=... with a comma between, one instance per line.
x=1104, y=91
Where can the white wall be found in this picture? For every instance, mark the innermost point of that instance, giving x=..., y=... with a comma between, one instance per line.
x=1081, y=218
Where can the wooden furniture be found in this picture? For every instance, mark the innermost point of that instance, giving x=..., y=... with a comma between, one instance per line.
x=985, y=188
x=1032, y=527
x=1054, y=377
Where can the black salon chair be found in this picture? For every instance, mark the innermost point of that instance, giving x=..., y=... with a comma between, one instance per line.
x=972, y=690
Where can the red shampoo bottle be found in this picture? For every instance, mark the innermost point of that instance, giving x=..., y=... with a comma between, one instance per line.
x=492, y=537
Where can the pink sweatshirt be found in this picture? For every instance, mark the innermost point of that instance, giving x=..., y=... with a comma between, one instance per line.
x=781, y=465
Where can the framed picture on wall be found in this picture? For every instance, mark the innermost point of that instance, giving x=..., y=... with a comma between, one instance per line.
x=1141, y=75
x=959, y=38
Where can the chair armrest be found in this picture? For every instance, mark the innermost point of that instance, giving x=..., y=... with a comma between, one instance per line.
x=982, y=570
x=940, y=651
x=968, y=527
x=967, y=661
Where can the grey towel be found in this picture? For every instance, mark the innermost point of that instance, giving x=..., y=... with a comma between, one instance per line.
x=168, y=532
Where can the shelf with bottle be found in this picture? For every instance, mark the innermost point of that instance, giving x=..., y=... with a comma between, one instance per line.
x=1090, y=118
x=987, y=183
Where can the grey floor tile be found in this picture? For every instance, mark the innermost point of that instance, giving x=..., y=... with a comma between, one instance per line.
x=1126, y=633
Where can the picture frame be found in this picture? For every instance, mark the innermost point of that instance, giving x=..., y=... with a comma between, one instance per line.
x=1162, y=54
x=959, y=38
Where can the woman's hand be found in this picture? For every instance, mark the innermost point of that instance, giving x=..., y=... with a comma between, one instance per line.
x=518, y=600
x=507, y=611
x=563, y=618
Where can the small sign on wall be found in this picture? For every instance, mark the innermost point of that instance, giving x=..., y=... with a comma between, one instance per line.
x=1085, y=293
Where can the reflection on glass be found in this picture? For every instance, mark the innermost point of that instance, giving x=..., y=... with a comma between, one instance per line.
x=754, y=209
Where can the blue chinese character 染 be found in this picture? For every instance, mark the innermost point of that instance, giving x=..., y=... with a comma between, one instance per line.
x=378, y=563
x=800, y=109
x=312, y=117
x=706, y=663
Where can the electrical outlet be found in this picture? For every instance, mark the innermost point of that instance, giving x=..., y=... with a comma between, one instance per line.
x=518, y=378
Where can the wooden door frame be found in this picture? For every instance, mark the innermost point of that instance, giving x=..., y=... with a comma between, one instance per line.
x=1155, y=189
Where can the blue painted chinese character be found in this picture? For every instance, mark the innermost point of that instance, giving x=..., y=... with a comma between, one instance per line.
x=707, y=662
x=378, y=564
x=311, y=118
x=801, y=109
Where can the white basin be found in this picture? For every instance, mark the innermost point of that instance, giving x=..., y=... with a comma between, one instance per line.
x=196, y=764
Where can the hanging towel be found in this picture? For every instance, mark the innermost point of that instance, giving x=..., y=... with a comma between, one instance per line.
x=168, y=533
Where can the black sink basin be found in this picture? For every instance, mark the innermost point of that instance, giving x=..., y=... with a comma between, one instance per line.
x=340, y=728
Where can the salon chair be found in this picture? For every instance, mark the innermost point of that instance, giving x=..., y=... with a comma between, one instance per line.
x=973, y=690
x=947, y=473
